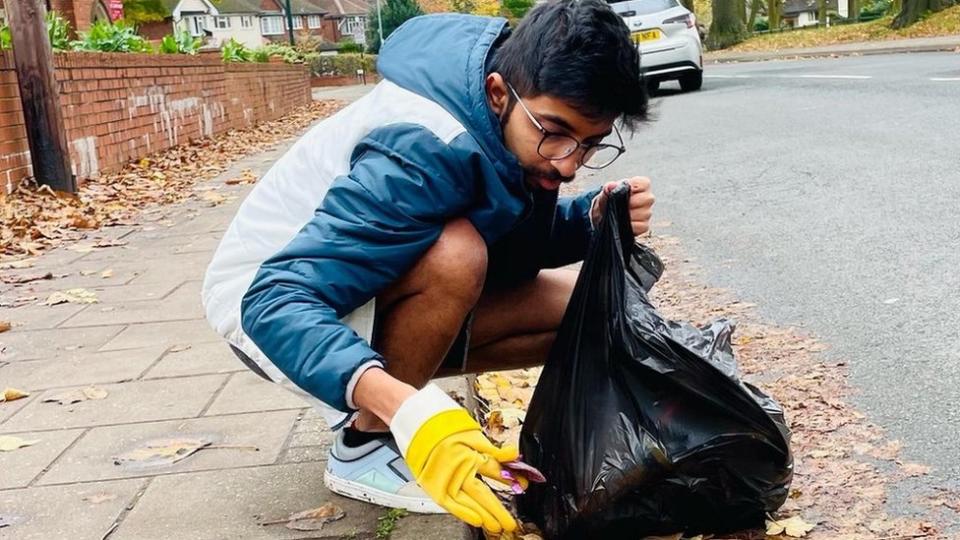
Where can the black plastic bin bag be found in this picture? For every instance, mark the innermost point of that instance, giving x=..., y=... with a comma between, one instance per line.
x=640, y=424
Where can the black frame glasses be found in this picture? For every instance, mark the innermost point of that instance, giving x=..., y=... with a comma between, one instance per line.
x=557, y=146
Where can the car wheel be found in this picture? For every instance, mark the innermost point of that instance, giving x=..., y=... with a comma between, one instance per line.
x=652, y=86
x=691, y=82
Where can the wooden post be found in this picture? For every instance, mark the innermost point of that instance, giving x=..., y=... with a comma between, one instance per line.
x=42, y=115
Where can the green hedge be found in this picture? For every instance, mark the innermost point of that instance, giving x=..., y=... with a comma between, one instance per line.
x=343, y=64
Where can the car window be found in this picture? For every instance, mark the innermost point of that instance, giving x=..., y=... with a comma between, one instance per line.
x=644, y=7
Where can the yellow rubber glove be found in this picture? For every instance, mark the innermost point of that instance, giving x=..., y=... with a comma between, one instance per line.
x=446, y=450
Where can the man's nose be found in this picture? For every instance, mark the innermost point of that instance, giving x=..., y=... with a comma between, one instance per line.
x=568, y=166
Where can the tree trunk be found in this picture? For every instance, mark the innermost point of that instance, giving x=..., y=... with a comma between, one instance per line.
x=39, y=95
x=773, y=14
x=727, y=27
x=853, y=10
x=754, y=9
x=742, y=10
x=822, y=12
x=912, y=10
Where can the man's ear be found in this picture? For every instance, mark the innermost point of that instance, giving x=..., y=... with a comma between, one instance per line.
x=497, y=93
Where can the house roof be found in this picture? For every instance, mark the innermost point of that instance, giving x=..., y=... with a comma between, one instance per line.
x=340, y=8
x=299, y=7
x=239, y=6
x=793, y=7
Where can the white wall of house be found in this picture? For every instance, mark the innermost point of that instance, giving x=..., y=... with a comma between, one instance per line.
x=243, y=28
x=807, y=18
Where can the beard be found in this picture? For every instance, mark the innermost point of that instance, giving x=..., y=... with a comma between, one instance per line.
x=545, y=180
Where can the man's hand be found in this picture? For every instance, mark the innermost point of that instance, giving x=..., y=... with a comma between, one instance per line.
x=446, y=450
x=641, y=203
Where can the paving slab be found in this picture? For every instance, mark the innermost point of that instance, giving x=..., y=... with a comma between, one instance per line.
x=54, y=513
x=163, y=333
x=175, y=244
x=141, y=401
x=198, y=359
x=35, y=317
x=10, y=408
x=229, y=504
x=92, y=458
x=32, y=344
x=21, y=466
x=181, y=304
x=247, y=392
x=79, y=369
x=157, y=290
x=431, y=527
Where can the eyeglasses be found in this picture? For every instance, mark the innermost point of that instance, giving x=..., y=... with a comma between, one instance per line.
x=557, y=146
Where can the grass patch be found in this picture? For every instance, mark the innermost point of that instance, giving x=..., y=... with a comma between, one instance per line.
x=387, y=522
x=943, y=23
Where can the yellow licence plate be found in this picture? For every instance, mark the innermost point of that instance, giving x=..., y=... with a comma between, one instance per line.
x=647, y=35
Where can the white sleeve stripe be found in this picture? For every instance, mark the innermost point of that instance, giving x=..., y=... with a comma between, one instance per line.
x=352, y=383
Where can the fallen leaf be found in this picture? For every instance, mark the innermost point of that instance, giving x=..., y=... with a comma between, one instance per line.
x=10, y=394
x=915, y=469
x=310, y=520
x=106, y=273
x=83, y=248
x=26, y=278
x=794, y=527
x=73, y=296
x=162, y=451
x=17, y=265
x=9, y=443
x=213, y=198
x=98, y=498
x=4, y=326
x=68, y=397
x=95, y=393
x=180, y=348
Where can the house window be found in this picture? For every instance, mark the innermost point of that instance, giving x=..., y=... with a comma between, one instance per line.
x=271, y=26
x=246, y=21
x=313, y=21
x=297, y=22
x=196, y=24
x=351, y=26
x=222, y=22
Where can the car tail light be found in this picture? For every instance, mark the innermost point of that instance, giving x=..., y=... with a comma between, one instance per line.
x=686, y=19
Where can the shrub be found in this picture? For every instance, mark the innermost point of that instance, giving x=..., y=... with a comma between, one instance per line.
x=180, y=43
x=234, y=51
x=349, y=46
x=58, y=29
x=343, y=64
x=111, y=37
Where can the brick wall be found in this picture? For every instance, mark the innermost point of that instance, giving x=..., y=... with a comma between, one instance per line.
x=119, y=107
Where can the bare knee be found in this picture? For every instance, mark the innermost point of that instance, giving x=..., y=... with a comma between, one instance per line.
x=456, y=265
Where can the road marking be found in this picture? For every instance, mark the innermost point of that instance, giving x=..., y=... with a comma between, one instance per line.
x=858, y=77
x=943, y=79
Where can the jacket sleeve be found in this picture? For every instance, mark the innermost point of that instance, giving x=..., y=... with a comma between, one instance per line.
x=373, y=224
x=571, y=232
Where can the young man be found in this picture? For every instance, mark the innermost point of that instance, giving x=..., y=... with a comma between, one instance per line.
x=411, y=229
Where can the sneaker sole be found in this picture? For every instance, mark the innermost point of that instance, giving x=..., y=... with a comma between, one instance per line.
x=355, y=490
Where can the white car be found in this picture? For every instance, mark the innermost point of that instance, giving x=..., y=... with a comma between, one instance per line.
x=669, y=41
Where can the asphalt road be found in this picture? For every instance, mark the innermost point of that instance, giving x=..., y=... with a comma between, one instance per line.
x=828, y=192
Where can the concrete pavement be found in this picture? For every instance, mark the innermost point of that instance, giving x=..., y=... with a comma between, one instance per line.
x=167, y=375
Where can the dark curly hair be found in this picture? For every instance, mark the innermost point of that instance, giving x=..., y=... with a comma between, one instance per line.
x=581, y=52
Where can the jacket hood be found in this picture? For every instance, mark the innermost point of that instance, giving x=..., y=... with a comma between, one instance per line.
x=444, y=58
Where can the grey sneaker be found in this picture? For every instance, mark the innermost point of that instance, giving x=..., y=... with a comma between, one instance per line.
x=376, y=473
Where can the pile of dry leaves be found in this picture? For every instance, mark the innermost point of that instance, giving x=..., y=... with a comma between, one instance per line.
x=35, y=218
x=844, y=465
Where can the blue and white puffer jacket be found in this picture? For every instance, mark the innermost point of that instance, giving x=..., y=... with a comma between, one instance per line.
x=360, y=197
